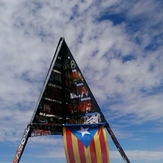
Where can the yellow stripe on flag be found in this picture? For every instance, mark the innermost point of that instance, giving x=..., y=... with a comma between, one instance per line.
x=75, y=149
x=87, y=154
x=65, y=142
x=97, y=147
x=107, y=148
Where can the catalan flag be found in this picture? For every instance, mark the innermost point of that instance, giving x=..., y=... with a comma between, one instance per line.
x=85, y=144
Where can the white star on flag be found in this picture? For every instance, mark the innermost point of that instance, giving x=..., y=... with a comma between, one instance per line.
x=84, y=131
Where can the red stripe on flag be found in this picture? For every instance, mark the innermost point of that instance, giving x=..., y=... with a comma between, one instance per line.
x=92, y=152
x=81, y=152
x=69, y=146
x=104, y=152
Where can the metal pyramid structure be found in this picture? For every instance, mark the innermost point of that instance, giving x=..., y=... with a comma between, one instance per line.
x=65, y=99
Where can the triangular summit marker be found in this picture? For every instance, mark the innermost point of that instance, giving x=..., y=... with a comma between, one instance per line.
x=65, y=99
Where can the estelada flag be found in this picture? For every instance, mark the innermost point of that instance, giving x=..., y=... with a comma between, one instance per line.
x=85, y=144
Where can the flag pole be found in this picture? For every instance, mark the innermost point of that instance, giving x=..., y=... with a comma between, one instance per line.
x=121, y=151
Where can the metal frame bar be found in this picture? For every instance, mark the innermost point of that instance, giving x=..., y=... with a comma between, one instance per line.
x=121, y=151
x=22, y=145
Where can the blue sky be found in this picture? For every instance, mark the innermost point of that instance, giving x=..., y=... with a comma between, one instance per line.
x=118, y=47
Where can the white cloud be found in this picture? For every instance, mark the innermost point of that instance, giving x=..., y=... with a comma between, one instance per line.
x=30, y=31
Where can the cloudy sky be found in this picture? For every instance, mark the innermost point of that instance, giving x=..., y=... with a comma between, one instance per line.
x=118, y=46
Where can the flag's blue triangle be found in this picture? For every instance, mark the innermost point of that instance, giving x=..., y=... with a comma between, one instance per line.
x=84, y=133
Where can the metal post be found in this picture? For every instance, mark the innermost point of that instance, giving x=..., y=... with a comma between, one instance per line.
x=22, y=145
x=121, y=151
